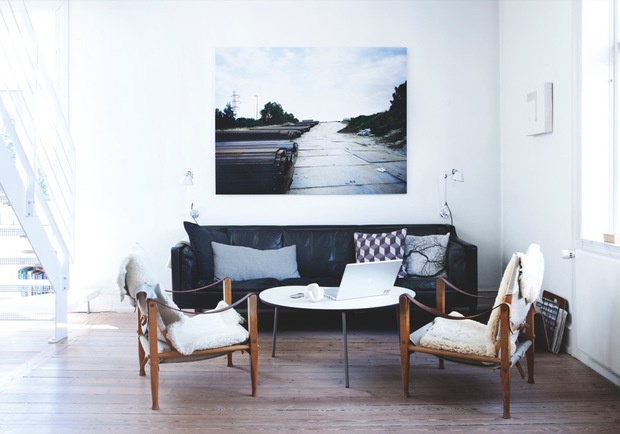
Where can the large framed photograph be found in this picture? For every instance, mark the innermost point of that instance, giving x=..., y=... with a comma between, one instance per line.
x=311, y=120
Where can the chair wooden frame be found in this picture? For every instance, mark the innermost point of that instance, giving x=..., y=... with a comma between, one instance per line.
x=148, y=320
x=503, y=358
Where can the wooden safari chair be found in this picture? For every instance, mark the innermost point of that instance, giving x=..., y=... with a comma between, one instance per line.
x=167, y=334
x=503, y=341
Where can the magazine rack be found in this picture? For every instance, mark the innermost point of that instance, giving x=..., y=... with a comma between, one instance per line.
x=553, y=311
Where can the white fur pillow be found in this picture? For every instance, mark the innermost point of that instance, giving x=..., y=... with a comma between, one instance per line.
x=207, y=331
x=522, y=278
x=464, y=336
x=532, y=272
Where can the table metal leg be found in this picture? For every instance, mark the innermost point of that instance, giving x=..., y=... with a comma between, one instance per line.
x=346, y=349
x=275, y=330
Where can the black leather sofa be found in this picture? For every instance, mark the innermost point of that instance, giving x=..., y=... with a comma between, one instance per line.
x=322, y=253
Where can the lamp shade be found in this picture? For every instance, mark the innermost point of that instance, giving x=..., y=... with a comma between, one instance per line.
x=188, y=179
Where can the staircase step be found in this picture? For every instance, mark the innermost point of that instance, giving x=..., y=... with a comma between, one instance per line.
x=25, y=282
x=19, y=261
x=40, y=287
x=11, y=231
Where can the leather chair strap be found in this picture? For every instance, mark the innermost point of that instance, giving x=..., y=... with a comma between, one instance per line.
x=437, y=312
x=230, y=306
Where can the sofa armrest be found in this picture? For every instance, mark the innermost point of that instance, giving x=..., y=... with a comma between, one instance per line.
x=184, y=266
x=462, y=266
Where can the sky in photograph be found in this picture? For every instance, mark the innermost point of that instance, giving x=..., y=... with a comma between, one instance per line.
x=323, y=84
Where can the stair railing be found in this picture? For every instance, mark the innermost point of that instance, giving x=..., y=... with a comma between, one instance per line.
x=37, y=155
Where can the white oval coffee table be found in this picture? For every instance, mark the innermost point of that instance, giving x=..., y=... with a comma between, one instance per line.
x=280, y=296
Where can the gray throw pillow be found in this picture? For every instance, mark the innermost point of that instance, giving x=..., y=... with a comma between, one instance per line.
x=425, y=256
x=245, y=263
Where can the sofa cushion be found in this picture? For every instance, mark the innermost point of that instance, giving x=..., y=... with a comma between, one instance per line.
x=255, y=237
x=321, y=251
x=381, y=246
x=426, y=256
x=245, y=263
x=200, y=238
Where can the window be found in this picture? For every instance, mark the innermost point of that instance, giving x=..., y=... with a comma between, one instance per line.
x=600, y=122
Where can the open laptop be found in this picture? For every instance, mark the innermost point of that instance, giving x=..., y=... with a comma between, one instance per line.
x=365, y=279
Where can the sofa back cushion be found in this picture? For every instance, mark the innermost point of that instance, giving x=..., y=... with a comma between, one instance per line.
x=321, y=251
x=256, y=237
x=324, y=251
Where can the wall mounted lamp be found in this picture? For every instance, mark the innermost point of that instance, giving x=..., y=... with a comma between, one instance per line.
x=188, y=182
x=188, y=179
x=445, y=211
x=457, y=175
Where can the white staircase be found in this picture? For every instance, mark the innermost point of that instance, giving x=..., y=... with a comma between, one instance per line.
x=37, y=166
x=22, y=278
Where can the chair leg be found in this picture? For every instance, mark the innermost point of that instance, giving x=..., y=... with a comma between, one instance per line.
x=230, y=362
x=155, y=383
x=141, y=353
x=405, y=367
x=520, y=369
x=253, y=330
x=145, y=360
x=403, y=335
x=530, y=364
x=505, y=380
x=142, y=359
x=254, y=369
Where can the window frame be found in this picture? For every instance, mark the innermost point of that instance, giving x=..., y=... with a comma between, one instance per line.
x=589, y=187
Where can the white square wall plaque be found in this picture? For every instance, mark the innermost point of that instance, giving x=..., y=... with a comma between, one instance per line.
x=540, y=110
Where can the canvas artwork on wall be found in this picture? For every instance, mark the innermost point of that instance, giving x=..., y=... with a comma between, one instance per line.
x=540, y=110
x=311, y=120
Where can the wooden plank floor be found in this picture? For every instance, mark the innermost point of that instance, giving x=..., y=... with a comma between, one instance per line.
x=90, y=383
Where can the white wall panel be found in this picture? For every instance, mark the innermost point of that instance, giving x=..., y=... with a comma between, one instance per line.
x=597, y=306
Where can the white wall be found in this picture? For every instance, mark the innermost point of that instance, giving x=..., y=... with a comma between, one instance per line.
x=537, y=172
x=141, y=114
x=540, y=188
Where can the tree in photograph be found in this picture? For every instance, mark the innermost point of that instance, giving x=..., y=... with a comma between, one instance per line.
x=398, y=107
x=225, y=119
x=274, y=114
x=383, y=123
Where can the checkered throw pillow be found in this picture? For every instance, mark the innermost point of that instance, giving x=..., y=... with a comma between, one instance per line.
x=378, y=247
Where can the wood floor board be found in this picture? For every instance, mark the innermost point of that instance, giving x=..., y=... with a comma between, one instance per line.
x=90, y=383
